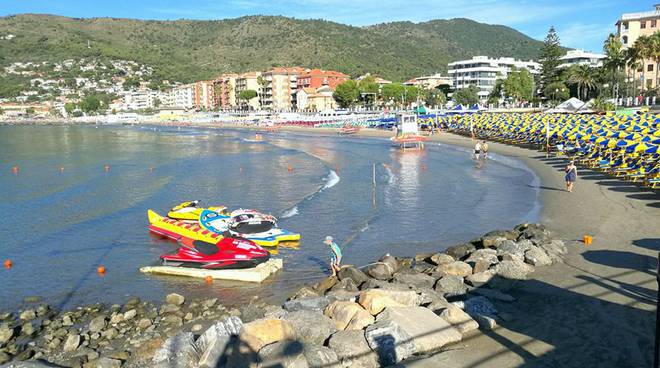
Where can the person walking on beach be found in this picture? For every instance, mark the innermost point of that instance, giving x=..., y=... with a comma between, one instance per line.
x=335, y=255
x=477, y=150
x=484, y=150
x=571, y=176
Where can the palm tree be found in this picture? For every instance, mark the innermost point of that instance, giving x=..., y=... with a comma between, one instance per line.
x=633, y=61
x=644, y=48
x=615, y=57
x=655, y=55
x=583, y=76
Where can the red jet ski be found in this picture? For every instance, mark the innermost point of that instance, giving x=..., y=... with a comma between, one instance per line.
x=228, y=253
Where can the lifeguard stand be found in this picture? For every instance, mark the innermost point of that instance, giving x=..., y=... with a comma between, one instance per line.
x=408, y=136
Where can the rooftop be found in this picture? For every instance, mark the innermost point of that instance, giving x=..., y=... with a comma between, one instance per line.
x=641, y=15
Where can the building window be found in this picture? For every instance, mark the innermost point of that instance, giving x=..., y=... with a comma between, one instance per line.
x=625, y=25
x=654, y=23
x=649, y=68
x=642, y=24
x=625, y=40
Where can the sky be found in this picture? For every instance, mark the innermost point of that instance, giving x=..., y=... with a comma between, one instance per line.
x=580, y=23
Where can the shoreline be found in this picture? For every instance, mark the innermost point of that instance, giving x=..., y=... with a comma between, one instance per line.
x=602, y=297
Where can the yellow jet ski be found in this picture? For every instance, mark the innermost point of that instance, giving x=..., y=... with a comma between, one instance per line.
x=190, y=211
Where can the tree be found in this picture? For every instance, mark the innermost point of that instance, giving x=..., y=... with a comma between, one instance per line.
x=633, y=62
x=157, y=102
x=346, y=94
x=556, y=92
x=90, y=104
x=130, y=83
x=435, y=97
x=549, y=56
x=393, y=92
x=369, y=87
x=614, y=58
x=247, y=95
x=467, y=96
x=69, y=107
x=583, y=77
x=519, y=84
x=644, y=50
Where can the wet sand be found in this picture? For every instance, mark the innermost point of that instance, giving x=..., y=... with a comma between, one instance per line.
x=595, y=310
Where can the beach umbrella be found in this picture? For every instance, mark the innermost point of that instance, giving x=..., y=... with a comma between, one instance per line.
x=651, y=150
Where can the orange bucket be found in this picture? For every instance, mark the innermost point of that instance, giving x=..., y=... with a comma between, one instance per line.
x=587, y=239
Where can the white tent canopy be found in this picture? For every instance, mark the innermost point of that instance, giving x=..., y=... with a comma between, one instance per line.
x=572, y=106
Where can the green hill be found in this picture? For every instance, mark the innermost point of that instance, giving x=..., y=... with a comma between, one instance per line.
x=185, y=50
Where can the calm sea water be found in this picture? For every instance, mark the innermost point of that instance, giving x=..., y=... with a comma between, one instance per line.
x=58, y=226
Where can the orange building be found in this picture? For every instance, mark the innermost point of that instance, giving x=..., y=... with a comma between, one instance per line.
x=204, y=95
x=279, y=86
x=225, y=91
x=316, y=78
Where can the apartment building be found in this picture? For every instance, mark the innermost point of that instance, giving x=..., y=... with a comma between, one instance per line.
x=483, y=71
x=581, y=57
x=183, y=96
x=316, y=78
x=204, y=95
x=278, y=88
x=248, y=81
x=225, y=92
x=430, y=81
x=316, y=99
x=633, y=25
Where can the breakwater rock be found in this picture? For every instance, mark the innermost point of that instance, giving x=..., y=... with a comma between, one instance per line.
x=377, y=315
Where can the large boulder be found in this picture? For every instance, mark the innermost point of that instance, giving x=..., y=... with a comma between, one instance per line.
x=479, y=305
x=304, y=292
x=348, y=315
x=321, y=357
x=325, y=284
x=343, y=295
x=456, y=268
x=391, y=342
x=429, y=332
x=311, y=303
x=97, y=324
x=536, y=256
x=491, y=241
x=310, y=327
x=513, y=269
x=379, y=271
x=507, y=234
x=385, y=285
x=555, y=249
x=177, y=351
x=486, y=255
x=460, y=251
x=350, y=272
x=71, y=343
x=175, y=299
x=283, y=354
x=451, y=285
x=459, y=319
x=352, y=349
x=261, y=332
x=510, y=247
x=345, y=284
x=213, y=342
x=440, y=258
x=6, y=334
x=375, y=300
x=415, y=280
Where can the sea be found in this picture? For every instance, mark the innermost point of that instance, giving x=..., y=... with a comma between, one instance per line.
x=73, y=198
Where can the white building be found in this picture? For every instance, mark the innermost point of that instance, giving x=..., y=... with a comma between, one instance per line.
x=184, y=96
x=483, y=71
x=430, y=81
x=581, y=57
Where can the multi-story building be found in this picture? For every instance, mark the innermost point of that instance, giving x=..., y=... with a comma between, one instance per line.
x=248, y=81
x=315, y=99
x=483, y=71
x=225, y=91
x=184, y=96
x=430, y=81
x=278, y=89
x=581, y=57
x=629, y=28
x=146, y=99
x=204, y=95
x=316, y=78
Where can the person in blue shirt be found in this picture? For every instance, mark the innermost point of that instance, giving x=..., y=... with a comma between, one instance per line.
x=335, y=254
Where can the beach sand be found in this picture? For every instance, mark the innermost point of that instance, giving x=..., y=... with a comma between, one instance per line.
x=595, y=310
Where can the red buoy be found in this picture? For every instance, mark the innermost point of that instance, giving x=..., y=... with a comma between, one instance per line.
x=8, y=263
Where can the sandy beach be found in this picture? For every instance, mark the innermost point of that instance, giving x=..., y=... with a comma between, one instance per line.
x=597, y=309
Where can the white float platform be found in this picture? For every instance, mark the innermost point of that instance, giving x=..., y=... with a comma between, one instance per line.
x=256, y=274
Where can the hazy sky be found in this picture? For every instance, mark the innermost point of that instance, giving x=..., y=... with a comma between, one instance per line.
x=580, y=23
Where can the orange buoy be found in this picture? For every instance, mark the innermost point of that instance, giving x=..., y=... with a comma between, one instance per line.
x=290, y=169
x=15, y=169
x=101, y=270
x=208, y=279
x=587, y=239
x=8, y=263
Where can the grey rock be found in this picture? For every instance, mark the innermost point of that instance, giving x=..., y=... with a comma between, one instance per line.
x=487, y=255
x=209, y=303
x=416, y=280
x=28, y=329
x=97, y=324
x=177, y=351
x=479, y=305
x=305, y=292
x=4, y=357
x=105, y=362
x=28, y=315
x=385, y=285
x=6, y=334
x=172, y=320
x=252, y=312
x=67, y=320
x=311, y=327
x=491, y=241
x=274, y=311
x=451, y=285
x=130, y=314
x=536, y=256
x=439, y=306
x=390, y=261
x=213, y=342
x=507, y=234
x=513, y=269
x=350, y=272
x=486, y=322
x=312, y=304
x=440, y=258
x=345, y=284
x=511, y=247
x=460, y=251
x=283, y=354
x=321, y=357
x=111, y=333
x=143, y=323
x=459, y=319
x=390, y=341
x=343, y=295
x=352, y=349
x=379, y=271
x=175, y=299
x=71, y=343
x=169, y=308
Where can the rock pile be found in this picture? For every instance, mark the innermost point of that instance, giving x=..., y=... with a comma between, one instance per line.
x=380, y=315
